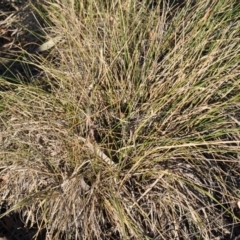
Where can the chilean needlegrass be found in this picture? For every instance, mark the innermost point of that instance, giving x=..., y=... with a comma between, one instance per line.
x=131, y=131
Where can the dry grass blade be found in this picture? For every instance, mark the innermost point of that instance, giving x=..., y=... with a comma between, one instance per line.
x=95, y=149
x=49, y=44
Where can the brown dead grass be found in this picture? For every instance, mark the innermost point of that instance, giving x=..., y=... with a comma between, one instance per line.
x=131, y=128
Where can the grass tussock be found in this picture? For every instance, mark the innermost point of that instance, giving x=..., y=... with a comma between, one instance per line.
x=131, y=128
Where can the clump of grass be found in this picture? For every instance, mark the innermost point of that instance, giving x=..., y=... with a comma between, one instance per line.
x=133, y=131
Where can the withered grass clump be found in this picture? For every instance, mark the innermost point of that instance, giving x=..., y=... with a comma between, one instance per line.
x=130, y=129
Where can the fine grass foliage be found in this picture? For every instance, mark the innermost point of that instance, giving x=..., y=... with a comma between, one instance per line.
x=130, y=129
